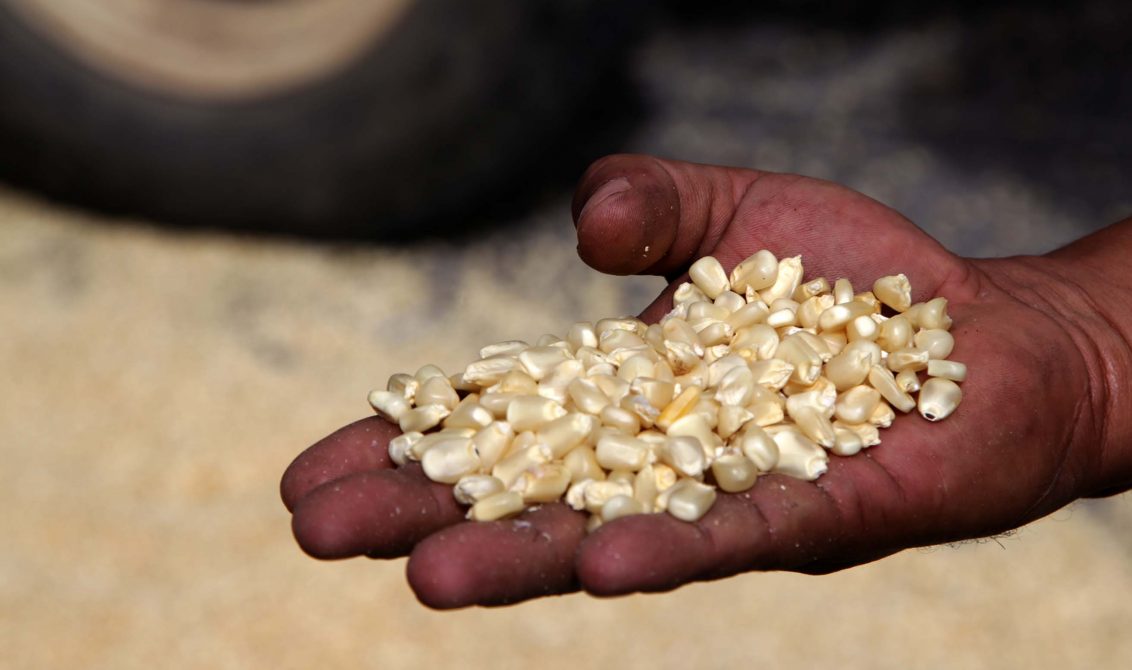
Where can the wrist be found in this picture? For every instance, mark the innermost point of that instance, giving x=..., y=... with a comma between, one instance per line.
x=1080, y=288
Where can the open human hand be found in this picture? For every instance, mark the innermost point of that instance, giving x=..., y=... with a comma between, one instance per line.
x=1036, y=429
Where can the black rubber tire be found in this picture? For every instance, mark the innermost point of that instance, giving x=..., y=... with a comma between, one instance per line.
x=455, y=101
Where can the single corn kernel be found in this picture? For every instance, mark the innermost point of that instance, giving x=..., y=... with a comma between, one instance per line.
x=798, y=456
x=842, y=291
x=689, y=500
x=471, y=489
x=506, y=348
x=757, y=342
x=390, y=405
x=811, y=415
x=773, y=373
x=907, y=359
x=883, y=380
x=619, y=506
x=621, y=419
x=732, y=419
x=422, y=418
x=488, y=371
x=497, y=506
x=953, y=370
x=894, y=291
x=862, y=328
x=582, y=464
x=936, y=341
x=596, y=494
x=564, y=433
x=814, y=287
x=582, y=334
x=538, y=362
x=469, y=413
x=622, y=452
x=450, y=460
x=492, y=442
x=426, y=371
x=400, y=446
x=758, y=271
x=908, y=380
x=847, y=443
x=404, y=385
x=543, y=483
x=786, y=282
x=857, y=404
x=734, y=472
x=680, y=405
x=839, y=316
x=933, y=315
x=532, y=412
x=518, y=461
x=685, y=455
x=697, y=425
x=868, y=433
x=730, y=301
x=895, y=333
x=687, y=293
x=882, y=416
x=807, y=363
x=708, y=275
x=747, y=315
x=938, y=398
x=716, y=333
x=850, y=367
x=759, y=448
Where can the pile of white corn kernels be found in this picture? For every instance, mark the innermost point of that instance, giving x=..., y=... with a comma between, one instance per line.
x=752, y=373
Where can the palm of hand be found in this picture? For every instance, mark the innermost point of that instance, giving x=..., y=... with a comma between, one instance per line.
x=1004, y=458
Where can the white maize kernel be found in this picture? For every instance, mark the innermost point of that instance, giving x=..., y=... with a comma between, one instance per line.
x=497, y=506
x=403, y=384
x=582, y=334
x=543, y=483
x=532, y=412
x=883, y=380
x=708, y=275
x=730, y=301
x=938, y=398
x=953, y=370
x=842, y=291
x=492, y=442
x=786, y=282
x=894, y=291
x=422, y=418
x=390, y=405
x=856, y=404
x=908, y=380
x=619, y=506
x=450, y=460
x=582, y=464
x=685, y=455
x=733, y=472
x=895, y=333
x=400, y=446
x=688, y=500
x=936, y=341
x=621, y=452
x=437, y=391
x=596, y=494
x=757, y=271
x=797, y=456
x=471, y=489
x=688, y=293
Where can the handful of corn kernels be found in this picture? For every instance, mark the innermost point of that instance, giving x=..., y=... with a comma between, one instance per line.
x=752, y=373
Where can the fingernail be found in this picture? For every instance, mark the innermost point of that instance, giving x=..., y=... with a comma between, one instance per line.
x=603, y=193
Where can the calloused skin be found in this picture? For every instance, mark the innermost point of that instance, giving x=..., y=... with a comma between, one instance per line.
x=1044, y=420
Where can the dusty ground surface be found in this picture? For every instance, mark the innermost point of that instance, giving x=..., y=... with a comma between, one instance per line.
x=157, y=383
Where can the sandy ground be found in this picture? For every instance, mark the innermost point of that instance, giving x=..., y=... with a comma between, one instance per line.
x=158, y=384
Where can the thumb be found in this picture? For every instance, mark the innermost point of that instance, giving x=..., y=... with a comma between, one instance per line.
x=642, y=215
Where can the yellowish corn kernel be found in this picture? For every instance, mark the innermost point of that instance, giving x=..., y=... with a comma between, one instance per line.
x=506, y=348
x=857, y=404
x=908, y=380
x=798, y=456
x=565, y=433
x=687, y=293
x=732, y=418
x=747, y=315
x=851, y=367
x=757, y=271
x=490, y=370
x=449, y=460
x=543, y=483
x=685, y=455
x=842, y=291
x=937, y=342
x=708, y=275
x=807, y=363
x=953, y=370
x=716, y=333
x=862, y=328
x=786, y=282
x=756, y=342
x=389, y=405
x=883, y=380
x=734, y=472
x=497, y=506
x=894, y=291
x=471, y=489
x=847, y=443
x=882, y=416
x=621, y=419
x=596, y=494
x=688, y=499
x=895, y=333
x=622, y=452
x=518, y=461
x=697, y=425
x=469, y=413
x=933, y=315
x=400, y=446
x=868, y=433
x=938, y=398
x=582, y=464
x=581, y=334
x=619, y=506
x=839, y=316
x=908, y=358
x=680, y=405
x=404, y=385
x=422, y=418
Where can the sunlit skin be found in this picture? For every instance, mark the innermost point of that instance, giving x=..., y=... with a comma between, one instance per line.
x=1044, y=420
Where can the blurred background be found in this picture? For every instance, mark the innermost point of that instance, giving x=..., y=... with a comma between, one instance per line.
x=222, y=222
